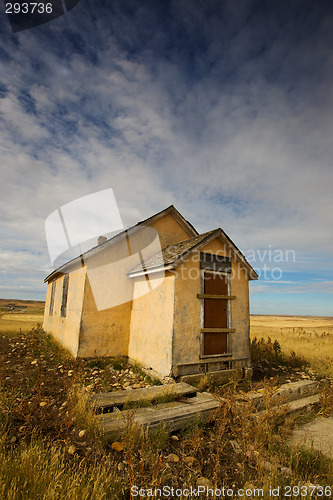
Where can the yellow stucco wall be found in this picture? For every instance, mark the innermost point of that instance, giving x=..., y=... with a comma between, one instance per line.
x=66, y=329
x=240, y=314
x=187, y=319
x=152, y=325
x=169, y=230
x=107, y=302
x=99, y=312
x=186, y=344
x=103, y=332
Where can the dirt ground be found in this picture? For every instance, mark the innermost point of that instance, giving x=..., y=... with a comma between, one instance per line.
x=39, y=376
x=317, y=434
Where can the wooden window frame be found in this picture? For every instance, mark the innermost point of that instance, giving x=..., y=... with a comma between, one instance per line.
x=53, y=288
x=64, y=299
x=203, y=330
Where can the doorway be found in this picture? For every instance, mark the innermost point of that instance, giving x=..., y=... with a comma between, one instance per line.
x=215, y=313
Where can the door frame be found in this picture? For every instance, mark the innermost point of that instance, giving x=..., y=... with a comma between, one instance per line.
x=202, y=309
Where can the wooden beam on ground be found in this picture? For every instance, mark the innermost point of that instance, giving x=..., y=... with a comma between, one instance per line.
x=174, y=415
x=119, y=398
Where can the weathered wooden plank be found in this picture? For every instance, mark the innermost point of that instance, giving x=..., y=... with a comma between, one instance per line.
x=119, y=398
x=211, y=296
x=226, y=330
x=215, y=262
x=174, y=415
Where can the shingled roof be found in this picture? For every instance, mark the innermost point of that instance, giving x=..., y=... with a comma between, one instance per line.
x=89, y=253
x=171, y=256
x=172, y=253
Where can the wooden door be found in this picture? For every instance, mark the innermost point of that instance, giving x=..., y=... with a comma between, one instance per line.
x=215, y=313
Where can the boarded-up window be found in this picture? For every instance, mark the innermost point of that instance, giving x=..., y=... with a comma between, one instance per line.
x=64, y=296
x=215, y=314
x=214, y=262
x=52, y=297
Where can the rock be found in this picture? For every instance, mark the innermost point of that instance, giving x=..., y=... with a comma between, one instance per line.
x=173, y=458
x=126, y=384
x=117, y=446
x=42, y=404
x=174, y=437
x=70, y=373
x=248, y=486
x=35, y=362
x=285, y=471
x=235, y=446
x=267, y=466
x=203, y=481
x=95, y=372
x=82, y=433
x=169, y=380
x=249, y=451
x=128, y=388
x=71, y=450
x=189, y=461
x=13, y=440
x=136, y=386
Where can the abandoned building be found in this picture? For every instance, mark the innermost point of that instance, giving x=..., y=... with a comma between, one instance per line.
x=159, y=293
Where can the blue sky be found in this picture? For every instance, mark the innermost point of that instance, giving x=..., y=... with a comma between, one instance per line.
x=221, y=108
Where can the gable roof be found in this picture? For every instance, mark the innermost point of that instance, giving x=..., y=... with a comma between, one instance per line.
x=173, y=255
x=186, y=225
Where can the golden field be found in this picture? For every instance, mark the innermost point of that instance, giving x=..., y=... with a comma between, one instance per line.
x=308, y=336
x=17, y=320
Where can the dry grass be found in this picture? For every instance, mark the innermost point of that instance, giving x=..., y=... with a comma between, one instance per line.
x=40, y=470
x=37, y=464
x=308, y=337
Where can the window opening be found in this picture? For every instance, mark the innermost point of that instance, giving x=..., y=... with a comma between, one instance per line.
x=64, y=295
x=52, y=297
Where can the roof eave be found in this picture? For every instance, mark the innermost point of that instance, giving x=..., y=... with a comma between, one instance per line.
x=152, y=270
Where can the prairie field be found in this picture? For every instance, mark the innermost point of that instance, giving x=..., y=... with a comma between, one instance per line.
x=26, y=314
x=310, y=337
